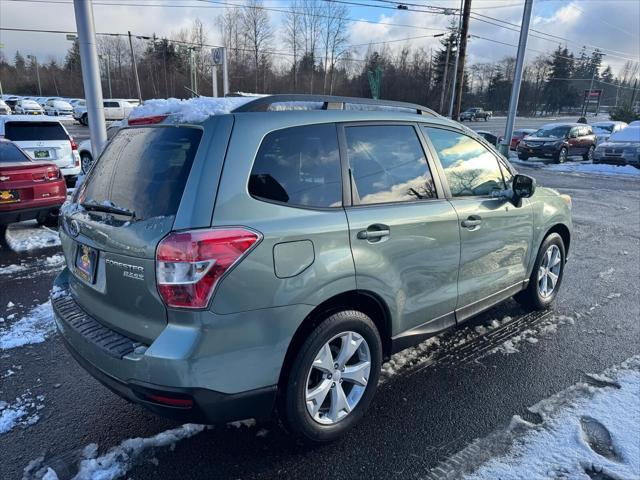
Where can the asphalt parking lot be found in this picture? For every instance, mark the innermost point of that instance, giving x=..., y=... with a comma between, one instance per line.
x=433, y=403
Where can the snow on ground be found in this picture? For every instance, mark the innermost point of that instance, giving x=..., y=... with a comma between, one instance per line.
x=27, y=269
x=589, y=430
x=34, y=327
x=577, y=166
x=21, y=412
x=25, y=236
x=193, y=110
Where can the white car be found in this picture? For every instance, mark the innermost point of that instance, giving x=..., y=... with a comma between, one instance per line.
x=603, y=130
x=84, y=148
x=44, y=100
x=113, y=110
x=58, y=108
x=635, y=123
x=43, y=138
x=622, y=148
x=27, y=107
x=4, y=108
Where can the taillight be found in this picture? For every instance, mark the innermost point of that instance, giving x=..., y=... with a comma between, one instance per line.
x=151, y=120
x=74, y=145
x=190, y=264
x=53, y=174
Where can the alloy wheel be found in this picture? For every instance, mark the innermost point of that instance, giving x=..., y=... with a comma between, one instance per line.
x=549, y=271
x=338, y=378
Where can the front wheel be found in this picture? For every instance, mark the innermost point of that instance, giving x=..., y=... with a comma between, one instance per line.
x=561, y=156
x=333, y=377
x=589, y=155
x=546, y=277
x=85, y=162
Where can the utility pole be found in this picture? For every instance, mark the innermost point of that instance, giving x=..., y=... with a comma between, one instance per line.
x=455, y=66
x=107, y=59
x=1, y=93
x=587, y=97
x=35, y=61
x=135, y=68
x=444, y=78
x=462, y=52
x=633, y=95
x=90, y=73
x=517, y=78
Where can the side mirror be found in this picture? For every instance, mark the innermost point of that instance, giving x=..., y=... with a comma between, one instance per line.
x=523, y=186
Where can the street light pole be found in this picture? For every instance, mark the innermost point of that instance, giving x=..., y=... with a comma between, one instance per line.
x=444, y=77
x=135, y=68
x=455, y=65
x=90, y=73
x=517, y=78
x=109, y=75
x=35, y=61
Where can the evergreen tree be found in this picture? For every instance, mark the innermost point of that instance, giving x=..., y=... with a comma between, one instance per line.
x=558, y=91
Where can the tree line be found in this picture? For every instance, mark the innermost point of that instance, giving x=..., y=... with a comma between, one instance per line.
x=313, y=55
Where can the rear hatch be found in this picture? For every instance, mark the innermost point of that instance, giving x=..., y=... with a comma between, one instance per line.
x=125, y=206
x=42, y=141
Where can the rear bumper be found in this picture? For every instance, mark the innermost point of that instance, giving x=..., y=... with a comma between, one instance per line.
x=549, y=151
x=227, y=375
x=29, y=213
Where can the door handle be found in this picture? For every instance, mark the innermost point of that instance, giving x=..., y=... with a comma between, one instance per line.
x=374, y=232
x=472, y=221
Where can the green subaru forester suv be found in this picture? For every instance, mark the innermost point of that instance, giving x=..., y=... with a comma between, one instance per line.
x=231, y=264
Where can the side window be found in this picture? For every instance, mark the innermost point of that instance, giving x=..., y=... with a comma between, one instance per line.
x=110, y=104
x=388, y=164
x=299, y=166
x=573, y=132
x=470, y=168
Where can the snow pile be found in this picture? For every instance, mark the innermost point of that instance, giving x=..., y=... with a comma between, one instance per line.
x=549, y=325
x=586, y=432
x=10, y=269
x=26, y=236
x=30, y=269
x=23, y=412
x=34, y=327
x=194, y=110
x=118, y=460
x=599, y=168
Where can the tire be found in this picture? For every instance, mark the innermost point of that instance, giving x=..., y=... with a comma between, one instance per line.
x=85, y=162
x=486, y=118
x=50, y=220
x=561, y=156
x=84, y=120
x=328, y=423
x=522, y=156
x=589, y=155
x=533, y=297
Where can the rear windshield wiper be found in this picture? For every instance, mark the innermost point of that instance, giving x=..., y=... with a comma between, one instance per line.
x=96, y=207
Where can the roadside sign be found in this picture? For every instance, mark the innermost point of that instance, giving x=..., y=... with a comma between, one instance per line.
x=71, y=36
x=593, y=94
x=217, y=55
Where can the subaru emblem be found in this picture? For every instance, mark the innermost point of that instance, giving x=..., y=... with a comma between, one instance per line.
x=74, y=228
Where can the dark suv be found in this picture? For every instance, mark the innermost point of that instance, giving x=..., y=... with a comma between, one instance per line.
x=226, y=259
x=559, y=141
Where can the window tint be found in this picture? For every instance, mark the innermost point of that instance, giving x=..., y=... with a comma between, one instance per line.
x=34, y=131
x=299, y=166
x=388, y=164
x=470, y=168
x=10, y=153
x=144, y=170
x=110, y=104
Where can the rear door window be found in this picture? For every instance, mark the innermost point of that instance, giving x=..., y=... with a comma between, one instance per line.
x=34, y=131
x=143, y=170
x=299, y=166
x=388, y=164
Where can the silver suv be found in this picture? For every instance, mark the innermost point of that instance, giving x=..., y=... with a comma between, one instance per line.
x=229, y=266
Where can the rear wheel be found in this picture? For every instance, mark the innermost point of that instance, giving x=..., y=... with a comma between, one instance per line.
x=561, y=156
x=523, y=156
x=589, y=155
x=546, y=277
x=334, y=377
x=85, y=162
x=84, y=120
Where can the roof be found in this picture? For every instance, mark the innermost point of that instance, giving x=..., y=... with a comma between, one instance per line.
x=197, y=110
x=564, y=124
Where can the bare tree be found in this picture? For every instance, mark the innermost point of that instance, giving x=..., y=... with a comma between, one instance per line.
x=258, y=31
x=293, y=36
x=334, y=36
x=311, y=30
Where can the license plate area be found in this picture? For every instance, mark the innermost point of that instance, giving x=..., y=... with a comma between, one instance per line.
x=41, y=154
x=85, y=263
x=9, y=196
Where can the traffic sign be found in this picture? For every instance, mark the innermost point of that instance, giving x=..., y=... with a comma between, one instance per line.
x=218, y=55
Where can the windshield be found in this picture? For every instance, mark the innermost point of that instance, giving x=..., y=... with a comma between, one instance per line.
x=143, y=170
x=552, y=132
x=629, y=134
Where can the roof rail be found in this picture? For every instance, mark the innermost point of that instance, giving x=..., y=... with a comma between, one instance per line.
x=329, y=102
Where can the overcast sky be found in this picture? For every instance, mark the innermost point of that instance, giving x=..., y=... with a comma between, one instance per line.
x=612, y=25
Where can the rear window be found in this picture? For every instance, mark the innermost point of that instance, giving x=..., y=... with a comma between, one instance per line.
x=34, y=131
x=10, y=153
x=144, y=170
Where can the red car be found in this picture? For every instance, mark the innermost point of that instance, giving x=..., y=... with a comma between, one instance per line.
x=29, y=189
x=519, y=135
